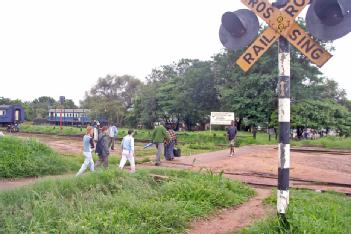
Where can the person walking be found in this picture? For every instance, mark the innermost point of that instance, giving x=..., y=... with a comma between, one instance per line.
x=231, y=134
x=128, y=151
x=88, y=158
x=169, y=144
x=113, y=133
x=159, y=135
x=102, y=148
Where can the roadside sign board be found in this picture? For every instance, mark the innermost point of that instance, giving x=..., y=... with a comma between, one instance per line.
x=222, y=118
x=281, y=23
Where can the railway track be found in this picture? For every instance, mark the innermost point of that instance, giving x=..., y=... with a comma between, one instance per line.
x=293, y=149
x=294, y=181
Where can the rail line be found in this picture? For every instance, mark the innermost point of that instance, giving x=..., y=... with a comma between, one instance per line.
x=304, y=182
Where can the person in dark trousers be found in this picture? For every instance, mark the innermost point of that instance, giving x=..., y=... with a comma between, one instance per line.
x=254, y=132
x=169, y=144
x=112, y=132
x=231, y=134
x=102, y=148
x=159, y=135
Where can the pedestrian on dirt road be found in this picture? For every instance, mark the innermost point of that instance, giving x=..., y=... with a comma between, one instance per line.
x=96, y=126
x=231, y=134
x=159, y=135
x=113, y=133
x=254, y=132
x=128, y=151
x=169, y=144
x=88, y=157
x=102, y=148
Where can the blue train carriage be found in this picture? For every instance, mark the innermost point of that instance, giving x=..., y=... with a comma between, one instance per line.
x=73, y=117
x=11, y=116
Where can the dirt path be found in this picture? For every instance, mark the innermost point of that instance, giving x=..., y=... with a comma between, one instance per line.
x=258, y=165
x=235, y=218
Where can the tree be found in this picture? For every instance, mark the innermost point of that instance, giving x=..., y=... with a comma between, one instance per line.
x=112, y=97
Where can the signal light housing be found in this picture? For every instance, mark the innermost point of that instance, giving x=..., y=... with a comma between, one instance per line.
x=238, y=29
x=329, y=19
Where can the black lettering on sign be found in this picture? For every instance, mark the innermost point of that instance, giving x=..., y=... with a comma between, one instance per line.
x=248, y=58
x=299, y=2
x=299, y=43
x=253, y=2
x=316, y=54
x=295, y=33
x=260, y=7
x=291, y=10
x=257, y=49
x=308, y=45
x=263, y=42
x=268, y=40
x=268, y=13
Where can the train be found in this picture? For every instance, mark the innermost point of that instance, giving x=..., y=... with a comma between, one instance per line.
x=11, y=116
x=69, y=116
x=72, y=117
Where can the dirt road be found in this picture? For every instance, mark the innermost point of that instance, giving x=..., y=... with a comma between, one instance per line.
x=255, y=164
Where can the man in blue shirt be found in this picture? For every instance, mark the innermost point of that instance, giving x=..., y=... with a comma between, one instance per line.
x=128, y=151
x=231, y=133
x=88, y=158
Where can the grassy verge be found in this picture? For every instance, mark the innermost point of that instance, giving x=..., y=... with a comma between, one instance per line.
x=326, y=142
x=309, y=212
x=116, y=202
x=196, y=137
x=25, y=158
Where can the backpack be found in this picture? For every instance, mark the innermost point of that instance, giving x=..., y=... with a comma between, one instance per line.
x=99, y=146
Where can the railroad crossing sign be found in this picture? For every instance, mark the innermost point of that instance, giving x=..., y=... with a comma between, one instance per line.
x=326, y=20
x=281, y=23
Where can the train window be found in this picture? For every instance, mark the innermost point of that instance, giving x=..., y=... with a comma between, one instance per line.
x=2, y=112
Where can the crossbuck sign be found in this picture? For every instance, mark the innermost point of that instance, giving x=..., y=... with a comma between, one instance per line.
x=281, y=23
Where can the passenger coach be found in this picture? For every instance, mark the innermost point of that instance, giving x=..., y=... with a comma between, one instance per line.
x=69, y=116
x=11, y=114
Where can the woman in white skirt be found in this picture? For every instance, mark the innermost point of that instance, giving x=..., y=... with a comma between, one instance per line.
x=88, y=157
x=128, y=151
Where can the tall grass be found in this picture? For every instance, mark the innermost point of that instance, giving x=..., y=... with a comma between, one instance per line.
x=24, y=158
x=326, y=142
x=116, y=202
x=309, y=212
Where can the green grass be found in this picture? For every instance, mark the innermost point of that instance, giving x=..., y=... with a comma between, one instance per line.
x=309, y=212
x=326, y=142
x=25, y=158
x=117, y=202
x=48, y=129
x=196, y=137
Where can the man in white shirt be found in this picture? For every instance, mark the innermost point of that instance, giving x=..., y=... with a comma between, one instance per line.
x=128, y=151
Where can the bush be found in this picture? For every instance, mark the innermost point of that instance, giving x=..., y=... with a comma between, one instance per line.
x=25, y=158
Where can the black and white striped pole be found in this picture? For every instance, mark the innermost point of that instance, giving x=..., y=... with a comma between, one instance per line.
x=284, y=120
x=284, y=125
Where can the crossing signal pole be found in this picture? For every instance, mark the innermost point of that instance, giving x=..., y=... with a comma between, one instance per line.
x=325, y=20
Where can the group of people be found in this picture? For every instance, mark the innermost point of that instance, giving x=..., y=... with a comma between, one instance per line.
x=164, y=139
x=103, y=139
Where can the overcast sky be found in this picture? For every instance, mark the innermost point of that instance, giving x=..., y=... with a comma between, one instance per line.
x=61, y=47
